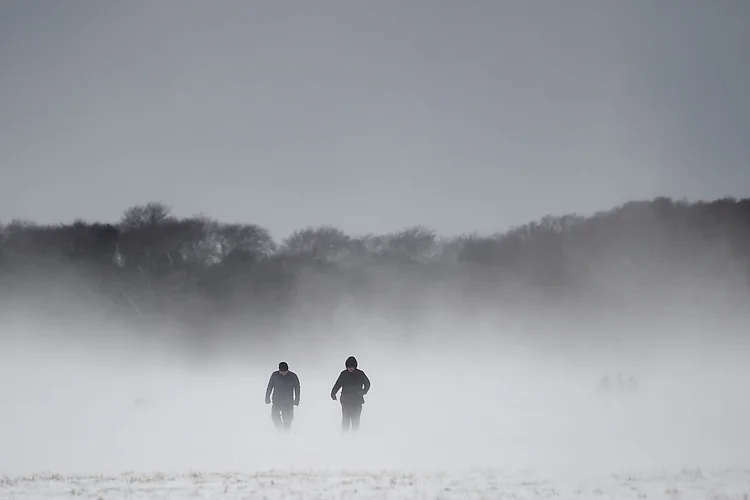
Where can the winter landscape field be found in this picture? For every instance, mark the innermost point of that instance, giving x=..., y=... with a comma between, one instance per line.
x=528, y=221
x=492, y=423
x=397, y=484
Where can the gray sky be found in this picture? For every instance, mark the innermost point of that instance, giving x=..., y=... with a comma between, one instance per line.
x=461, y=115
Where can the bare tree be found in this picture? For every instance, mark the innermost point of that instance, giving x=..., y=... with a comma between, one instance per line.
x=325, y=242
x=150, y=214
x=417, y=243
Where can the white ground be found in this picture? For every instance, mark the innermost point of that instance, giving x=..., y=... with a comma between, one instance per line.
x=505, y=424
x=684, y=485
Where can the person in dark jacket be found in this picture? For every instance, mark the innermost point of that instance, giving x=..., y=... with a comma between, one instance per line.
x=285, y=386
x=354, y=384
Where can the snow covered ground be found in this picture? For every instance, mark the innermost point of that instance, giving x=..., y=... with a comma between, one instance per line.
x=73, y=423
x=471, y=484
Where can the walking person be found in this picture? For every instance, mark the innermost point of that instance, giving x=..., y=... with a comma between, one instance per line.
x=354, y=384
x=286, y=388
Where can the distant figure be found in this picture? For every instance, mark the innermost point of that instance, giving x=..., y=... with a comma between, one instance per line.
x=620, y=383
x=286, y=388
x=632, y=384
x=354, y=384
x=605, y=386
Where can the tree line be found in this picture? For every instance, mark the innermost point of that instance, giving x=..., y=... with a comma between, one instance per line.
x=152, y=266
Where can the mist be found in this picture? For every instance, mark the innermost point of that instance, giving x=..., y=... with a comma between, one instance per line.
x=483, y=397
x=486, y=205
x=147, y=346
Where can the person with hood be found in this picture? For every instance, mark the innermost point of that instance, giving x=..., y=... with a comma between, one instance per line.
x=354, y=384
x=286, y=388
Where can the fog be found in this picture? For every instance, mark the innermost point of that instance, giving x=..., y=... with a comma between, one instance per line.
x=145, y=342
x=487, y=398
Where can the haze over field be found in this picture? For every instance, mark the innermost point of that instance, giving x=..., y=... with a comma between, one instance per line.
x=492, y=205
x=485, y=403
x=147, y=344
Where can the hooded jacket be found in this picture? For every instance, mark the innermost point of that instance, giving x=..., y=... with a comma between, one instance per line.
x=353, y=385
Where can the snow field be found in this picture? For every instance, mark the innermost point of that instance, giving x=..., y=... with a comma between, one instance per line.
x=384, y=484
x=444, y=425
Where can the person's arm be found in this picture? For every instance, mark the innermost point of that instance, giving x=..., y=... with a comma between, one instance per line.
x=269, y=388
x=296, y=389
x=336, y=388
x=366, y=382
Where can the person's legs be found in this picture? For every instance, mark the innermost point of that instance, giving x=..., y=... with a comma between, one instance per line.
x=287, y=413
x=276, y=416
x=345, y=416
x=356, y=413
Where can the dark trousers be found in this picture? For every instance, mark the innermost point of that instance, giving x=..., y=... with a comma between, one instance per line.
x=282, y=415
x=350, y=414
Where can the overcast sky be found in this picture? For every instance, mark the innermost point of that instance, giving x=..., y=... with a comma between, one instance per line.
x=370, y=115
